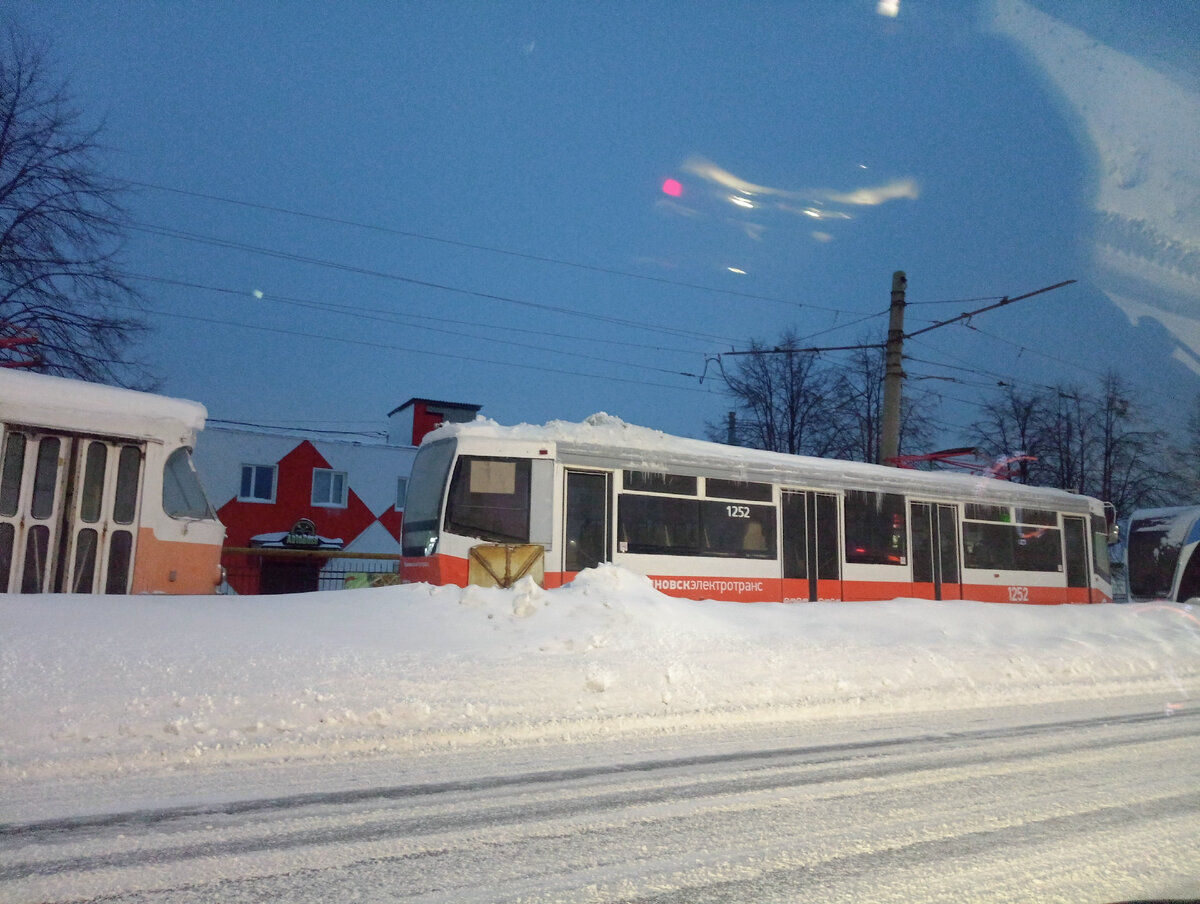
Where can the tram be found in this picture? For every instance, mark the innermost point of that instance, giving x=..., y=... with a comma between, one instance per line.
x=1162, y=554
x=98, y=493
x=488, y=504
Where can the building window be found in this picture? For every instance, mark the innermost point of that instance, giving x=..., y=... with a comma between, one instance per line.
x=401, y=492
x=258, y=483
x=329, y=487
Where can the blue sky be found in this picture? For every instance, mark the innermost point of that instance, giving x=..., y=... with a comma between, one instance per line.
x=341, y=206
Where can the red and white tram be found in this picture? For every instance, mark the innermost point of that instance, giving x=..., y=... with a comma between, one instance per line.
x=487, y=504
x=98, y=493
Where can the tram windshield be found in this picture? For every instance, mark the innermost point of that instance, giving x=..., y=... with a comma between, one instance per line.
x=426, y=488
x=1157, y=540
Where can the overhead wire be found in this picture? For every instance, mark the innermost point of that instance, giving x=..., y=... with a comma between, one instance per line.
x=165, y=231
x=415, y=351
x=686, y=334
x=612, y=271
x=1018, y=381
x=388, y=317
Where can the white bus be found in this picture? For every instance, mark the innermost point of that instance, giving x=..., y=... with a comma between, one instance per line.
x=487, y=504
x=98, y=493
x=1162, y=554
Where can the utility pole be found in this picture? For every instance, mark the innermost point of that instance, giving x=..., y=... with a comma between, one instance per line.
x=893, y=376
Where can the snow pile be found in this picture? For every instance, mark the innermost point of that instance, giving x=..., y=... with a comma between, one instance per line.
x=99, y=685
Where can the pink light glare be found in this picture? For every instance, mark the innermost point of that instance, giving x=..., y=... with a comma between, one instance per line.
x=672, y=187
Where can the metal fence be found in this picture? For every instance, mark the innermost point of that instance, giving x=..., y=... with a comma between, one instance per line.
x=252, y=571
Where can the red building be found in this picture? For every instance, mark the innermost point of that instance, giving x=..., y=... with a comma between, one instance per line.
x=290, y=501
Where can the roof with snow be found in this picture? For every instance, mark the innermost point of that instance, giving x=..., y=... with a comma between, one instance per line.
x=40, y=400
x=604, y=440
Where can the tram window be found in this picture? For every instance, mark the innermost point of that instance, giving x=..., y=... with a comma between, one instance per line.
x=424, y=502
x=45, y=478
x=976, y=511
x=1100, y=561
x=1152, y=560
x=988, y=545
x=656, y=482
x=37, y=558
x=129, y=464
x=10, y=477
x=85, y=560
x=489, y=499
x=658, y=524
x=1037, y=516
x=745, y=531
x=1075, y=541
x=875, y=528
x=737, y=489
x=1038, y=549
x=93, y=482
x=1007, y=547
x=120, y=557
x=8, y=533
x=183, y=496
x=1189, y=580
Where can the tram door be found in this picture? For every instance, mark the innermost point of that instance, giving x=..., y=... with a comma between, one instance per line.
x=935, y=560
x=587, y=530
x=68, y=513
x=811, y=559
x=1075, y=534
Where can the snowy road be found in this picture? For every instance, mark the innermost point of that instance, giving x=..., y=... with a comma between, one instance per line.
x=1099, y=802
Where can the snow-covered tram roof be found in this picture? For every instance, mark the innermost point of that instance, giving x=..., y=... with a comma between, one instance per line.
x=606, y=441
x=1181, y=523
x=58, y=403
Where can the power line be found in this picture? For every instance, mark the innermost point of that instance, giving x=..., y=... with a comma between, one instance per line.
x=1161, y=391
x=957, y=300
x=416, y=351
x=291, y=424
x=400, y=318
x=999, y=304
x=364, y=271
x=348, y=312
x=476, y=247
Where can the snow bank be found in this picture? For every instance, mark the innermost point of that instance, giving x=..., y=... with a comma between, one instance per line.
x=97, y=685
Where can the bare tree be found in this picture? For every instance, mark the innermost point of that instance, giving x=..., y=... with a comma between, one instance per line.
x=1008, y=428
x=1182, y=458
x=859, y=407
x=789, y=401
x=1132, y=466
x=783, y=401
x=1185, y=459
x=61, y=226
x=1098, y=444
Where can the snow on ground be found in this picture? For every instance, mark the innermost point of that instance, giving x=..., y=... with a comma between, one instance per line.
x=96, y=685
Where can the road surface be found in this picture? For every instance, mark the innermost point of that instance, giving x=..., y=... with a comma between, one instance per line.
x=1035, y=806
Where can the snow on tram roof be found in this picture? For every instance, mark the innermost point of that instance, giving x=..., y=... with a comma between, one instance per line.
x=40, y=400
x=603, y=438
